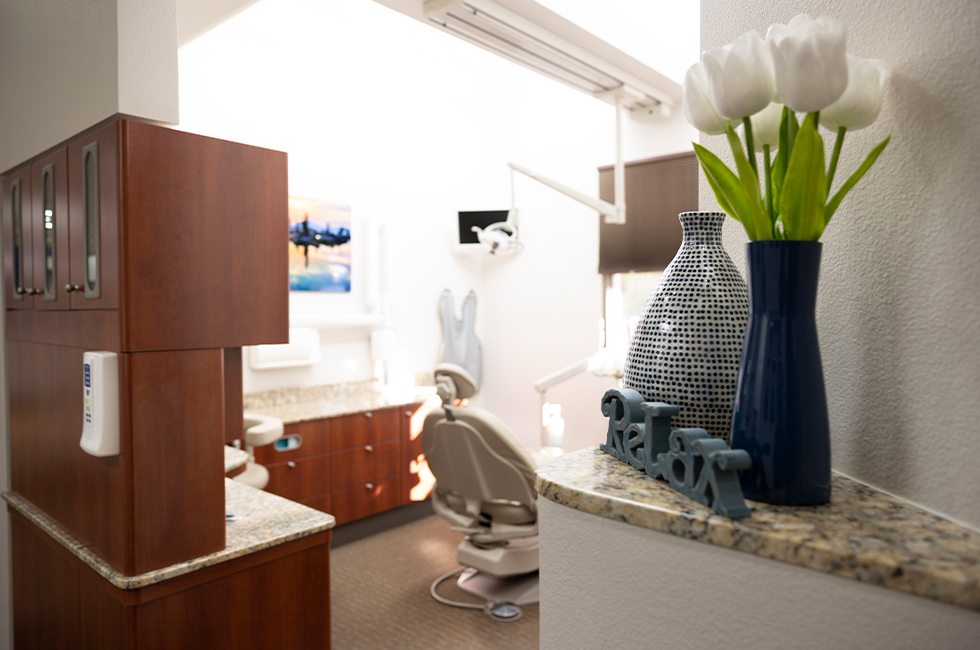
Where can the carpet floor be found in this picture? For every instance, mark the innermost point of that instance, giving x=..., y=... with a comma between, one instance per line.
x=380, y=596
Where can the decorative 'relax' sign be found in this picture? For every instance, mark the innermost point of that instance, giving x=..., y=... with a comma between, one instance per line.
x=691, y=461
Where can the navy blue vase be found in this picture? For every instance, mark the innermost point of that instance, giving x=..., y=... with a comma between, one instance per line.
x=780, y=415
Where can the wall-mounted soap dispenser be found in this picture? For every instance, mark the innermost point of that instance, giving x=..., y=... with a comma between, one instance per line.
x=100, y=404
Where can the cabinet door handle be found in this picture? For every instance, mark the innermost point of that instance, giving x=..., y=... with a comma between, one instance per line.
x=369, y=448
x=291, y=464
x=369, y=414
x=73, y=287
x=369, y=486
x=408, y=414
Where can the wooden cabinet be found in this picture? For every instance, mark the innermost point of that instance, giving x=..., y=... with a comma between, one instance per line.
x=18, y=254
x=60, y=227
x=278, y=597
x=167, y=248
x=351, y=466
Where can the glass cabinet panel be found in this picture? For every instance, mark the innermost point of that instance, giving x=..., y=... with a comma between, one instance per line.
x=90, y=164
x=50, y=242
x=18, y=237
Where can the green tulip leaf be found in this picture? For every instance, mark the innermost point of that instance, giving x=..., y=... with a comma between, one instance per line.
x=781, y=161
x=853, y=180
x=725, y=185
x=804, y=192
x=756, y=211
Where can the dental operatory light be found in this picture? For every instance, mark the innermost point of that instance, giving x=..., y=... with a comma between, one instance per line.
x=531, y=35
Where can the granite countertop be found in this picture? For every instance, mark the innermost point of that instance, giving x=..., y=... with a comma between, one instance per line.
x=234, y=458
x=258, y=520
x=864, y=533
x=292, y=405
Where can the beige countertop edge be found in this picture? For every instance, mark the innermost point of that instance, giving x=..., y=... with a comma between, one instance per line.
x=864, y=534
x=238, y=544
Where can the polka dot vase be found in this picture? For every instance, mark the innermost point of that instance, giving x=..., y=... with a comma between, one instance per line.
x=688, y=345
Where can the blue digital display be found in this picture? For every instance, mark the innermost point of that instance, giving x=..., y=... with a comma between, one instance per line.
x=88, y=375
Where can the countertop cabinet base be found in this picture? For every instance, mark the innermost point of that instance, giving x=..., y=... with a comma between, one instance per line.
x=351, y=466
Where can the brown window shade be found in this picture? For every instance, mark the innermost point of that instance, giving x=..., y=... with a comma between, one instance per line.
x=657, y=190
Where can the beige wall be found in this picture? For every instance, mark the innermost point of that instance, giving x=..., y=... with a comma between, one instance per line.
x=899, y=305
x=65, y=66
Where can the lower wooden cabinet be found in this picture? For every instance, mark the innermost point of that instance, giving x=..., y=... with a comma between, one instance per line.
x=351, y=466
x=275, y=598
x=367, y=499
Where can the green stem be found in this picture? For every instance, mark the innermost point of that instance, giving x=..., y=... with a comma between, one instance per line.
x=750, y=144
x=767, y=169
x=835, y=157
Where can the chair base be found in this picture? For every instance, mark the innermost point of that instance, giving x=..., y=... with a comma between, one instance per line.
x=515, y=590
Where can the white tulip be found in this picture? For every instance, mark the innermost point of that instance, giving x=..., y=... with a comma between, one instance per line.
x=765, y=126
x=699, y=106
x=741, y=74
x=860, y=104
x=810, y=62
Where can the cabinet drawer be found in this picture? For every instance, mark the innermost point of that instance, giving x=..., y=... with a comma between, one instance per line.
x=367, y=464
x=365, y=500
x=320, y=502
x=299, y=479
x=367, y=428
x=313, y=441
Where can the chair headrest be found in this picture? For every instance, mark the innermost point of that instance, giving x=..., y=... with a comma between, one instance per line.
x=454, y=382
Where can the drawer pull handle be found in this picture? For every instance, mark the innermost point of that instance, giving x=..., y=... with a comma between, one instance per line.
x=369, y=486
x=369, y=448
x=291, y=464
x=369, y=414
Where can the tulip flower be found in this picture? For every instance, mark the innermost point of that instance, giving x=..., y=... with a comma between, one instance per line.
x=765, y=126
x=699, y=105
x=858, y=107
x=860, y=104
x=809, y=61
x=741, y=74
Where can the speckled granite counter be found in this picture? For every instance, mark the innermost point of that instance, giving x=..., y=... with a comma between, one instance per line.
x=258, y=521
x=234, y=458
x=293, y=405
x=863, y=534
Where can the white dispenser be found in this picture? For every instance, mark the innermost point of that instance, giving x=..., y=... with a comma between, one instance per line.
x=100, y=403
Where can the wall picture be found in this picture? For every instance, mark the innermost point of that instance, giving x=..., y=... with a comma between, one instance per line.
x=319, y=246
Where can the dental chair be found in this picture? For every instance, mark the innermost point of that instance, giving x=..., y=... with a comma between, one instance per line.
x=485, y=489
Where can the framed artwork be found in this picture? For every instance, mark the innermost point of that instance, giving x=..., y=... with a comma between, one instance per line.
x=319, y=246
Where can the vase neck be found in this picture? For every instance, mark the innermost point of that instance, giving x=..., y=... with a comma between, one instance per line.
x=702, y=228
x=783, y=277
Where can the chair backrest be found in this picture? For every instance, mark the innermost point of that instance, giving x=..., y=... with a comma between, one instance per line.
x=479, y=466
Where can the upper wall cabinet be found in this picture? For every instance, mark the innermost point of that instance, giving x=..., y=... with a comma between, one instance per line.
x=164, y=239
x=60, y=227
x=18, y=256
x=93, y=191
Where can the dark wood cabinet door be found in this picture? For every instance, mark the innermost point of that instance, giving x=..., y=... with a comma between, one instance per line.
x=49, y=208
x=93, y=209
x=367, y=428
x=299, y=479
x=365, y=500
x=18, y=274
x=367, y=464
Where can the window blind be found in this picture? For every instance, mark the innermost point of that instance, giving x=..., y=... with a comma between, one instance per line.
x=657, y=190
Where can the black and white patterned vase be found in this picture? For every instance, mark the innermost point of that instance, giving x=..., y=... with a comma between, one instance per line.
x=688, y=345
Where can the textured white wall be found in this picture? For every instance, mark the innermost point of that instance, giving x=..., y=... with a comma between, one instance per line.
x=68, y=65
x=899, y=304
x=607, y=584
